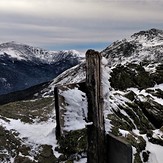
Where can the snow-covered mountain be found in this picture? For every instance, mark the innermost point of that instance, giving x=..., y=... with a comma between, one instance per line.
x=134, y=95
x=136, y=101
x=144, y=46
x=24, y=52
x=22, y=66
x=133, y=104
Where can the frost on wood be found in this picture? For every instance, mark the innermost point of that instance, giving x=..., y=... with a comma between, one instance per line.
x=71, y=108
x=76, y=109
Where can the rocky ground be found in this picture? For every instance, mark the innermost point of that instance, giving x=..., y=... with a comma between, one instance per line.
x=14, y=147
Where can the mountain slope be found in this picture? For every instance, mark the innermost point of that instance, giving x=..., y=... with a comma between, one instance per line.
x=136, y=107
x=133, y=95
x=144, y=46
x=22, y=66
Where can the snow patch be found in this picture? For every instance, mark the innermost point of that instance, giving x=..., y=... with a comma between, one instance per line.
x=83, y=160
x=12, y=53
x=156, y=152
x=37, y=133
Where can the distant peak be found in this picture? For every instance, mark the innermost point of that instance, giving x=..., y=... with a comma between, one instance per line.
x=11, y=43
x=25, y=52
x=141, y=46
x=148, y=33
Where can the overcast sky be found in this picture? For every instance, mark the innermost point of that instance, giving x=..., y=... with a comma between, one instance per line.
x=76, y=24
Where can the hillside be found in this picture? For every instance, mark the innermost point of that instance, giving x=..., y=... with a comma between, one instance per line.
x=136, y=107
x=133, y=100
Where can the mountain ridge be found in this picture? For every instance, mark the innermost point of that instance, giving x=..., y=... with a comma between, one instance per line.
x=140, y=47
x=25, y=52
x=23, y=66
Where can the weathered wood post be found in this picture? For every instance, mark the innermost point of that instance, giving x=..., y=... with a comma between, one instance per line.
x=96, y=131
x=58, y=127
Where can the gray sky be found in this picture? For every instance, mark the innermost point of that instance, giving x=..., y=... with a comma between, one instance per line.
x=76, y=24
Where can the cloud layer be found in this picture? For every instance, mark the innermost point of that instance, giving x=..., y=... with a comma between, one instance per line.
x=77, y=24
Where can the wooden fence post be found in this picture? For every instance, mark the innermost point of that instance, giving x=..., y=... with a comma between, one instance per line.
x=96, y=131
x=58, y=127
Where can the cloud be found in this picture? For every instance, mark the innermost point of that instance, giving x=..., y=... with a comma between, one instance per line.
x=65, y=23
